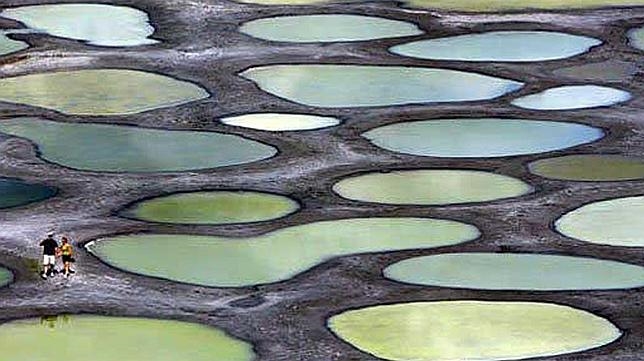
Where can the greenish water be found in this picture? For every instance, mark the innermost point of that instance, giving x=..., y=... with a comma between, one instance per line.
x=216, y=207
x=573, y=97
x=275, y=256
x=590, y=167
x=514, y=46
x=5, y=276
x=114, y=148
x=336, y=86
x=99, y=91
x=430, y=187
x=15, y=193
x=327, y=28
x=485, y=137
x=472, y=330
x=513, y=271
x=97, y=338
x=279, y=122
x=476, y=5
x=97, y=24
x=8, y=46
x=615, y=222
x=636, y=38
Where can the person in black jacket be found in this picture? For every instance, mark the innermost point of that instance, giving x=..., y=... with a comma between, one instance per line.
x=50, y=247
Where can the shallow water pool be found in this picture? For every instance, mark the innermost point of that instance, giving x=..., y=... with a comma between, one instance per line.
x=471, y=330
x=120, y=91
x=281, y=122
x=77, y=338
x=213, y=207
x=480, y=137
x=636, y=38
x=430, y=187
x=8, y=46
x=97, y=24
x=115, y=148
x=615, y=222
x=336, y=86
x=573, y=97
x=590, y=167
x=274, y=256
x=515, y=271
x=5, y=276
x=14, y=193
x=512, y=46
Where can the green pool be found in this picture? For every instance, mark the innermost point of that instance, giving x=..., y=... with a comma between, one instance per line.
x=14, y=193
x=281, y=122
x=337, y=86
x=97, y=24
x=513, y=46
x=8, y=45
x=573, y=97
x=590, y=167
x=472, y=330
x=5, y=276
x=79, y=92
x=327, y=28
x=275, y=256
x=514, y=271
x=480, y=137
x=636, y=38
x=215, y=207
x=98, y=338
x=114, y=148
x=430, y=187
x=615, y=222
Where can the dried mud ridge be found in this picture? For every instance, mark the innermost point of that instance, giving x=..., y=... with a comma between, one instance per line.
x=286, y=321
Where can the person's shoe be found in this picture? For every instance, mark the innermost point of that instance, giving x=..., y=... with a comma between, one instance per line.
x=43, y=276
x=65, y=275
x=71, y=271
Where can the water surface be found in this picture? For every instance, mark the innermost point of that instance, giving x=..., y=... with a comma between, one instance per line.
x=97, y=24
x=8, y=45
x=430, y=187
x=115, y=148
x=472, y=330
x=615, y=222
x=480, y=137
x=611, y=70
x=327, y=28
x=512, y=46
x=280, y=122
x=513, y=271
x=15, y=193
x=590, y=167
x=98, y=338
x=99, y=91
x=5, y=276
x=636, y=38
x=334, y=86
x=573, y=97
x=274, y=256
x=214, y=207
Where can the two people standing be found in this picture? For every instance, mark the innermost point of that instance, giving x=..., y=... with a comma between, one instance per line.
x=51, y=250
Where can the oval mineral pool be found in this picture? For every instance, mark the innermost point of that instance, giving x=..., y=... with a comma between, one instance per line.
x=336, y=86
x=275, y=256
x=513, y=271
x=485, y=137
x=636, y=38
x=430, y=187
x=327, y=28
x=590, y=167
x=513, y=46
x=97, y=24
x=279, y=122
x=115, y=148
x=75, y=338
x=615, y=222
x=14, y=193
x=8, y=46
x=215, y=207
x=79, y=92
x=573, y=97
x=5, y=276
x=476, y=5
x=472, y=330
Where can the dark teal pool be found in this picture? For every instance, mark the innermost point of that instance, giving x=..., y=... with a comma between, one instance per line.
x=15, y=193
